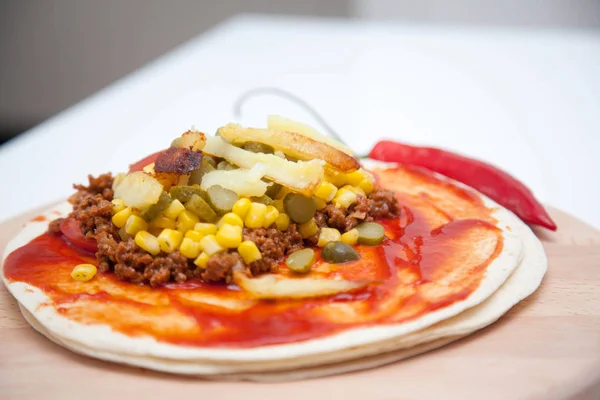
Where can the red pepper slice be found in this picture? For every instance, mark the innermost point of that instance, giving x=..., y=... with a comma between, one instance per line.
x=138, y=166
x=489, y=180
x=71, y=228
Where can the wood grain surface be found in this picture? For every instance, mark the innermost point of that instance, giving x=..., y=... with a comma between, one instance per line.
x=547, y=347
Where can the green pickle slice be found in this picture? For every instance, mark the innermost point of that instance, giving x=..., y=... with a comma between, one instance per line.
x=339, y=252
x=200, y=207
x=264, y=199
x=301, y=261
x=273, y=189
x=155, y=209
x=370, y=233
x=299, y=208
x=206, y=167
x=184, y=193
x=226, y=166
x=221, y=199
x=257, y=147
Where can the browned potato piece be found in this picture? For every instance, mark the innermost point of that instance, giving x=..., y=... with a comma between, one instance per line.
x=292, y=144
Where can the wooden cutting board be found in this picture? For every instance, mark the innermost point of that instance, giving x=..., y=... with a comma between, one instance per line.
x=547, y=347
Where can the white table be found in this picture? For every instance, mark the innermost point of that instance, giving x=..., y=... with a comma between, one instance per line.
x=528, y=101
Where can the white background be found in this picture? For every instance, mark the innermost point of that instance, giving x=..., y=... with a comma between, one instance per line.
x=526, y=101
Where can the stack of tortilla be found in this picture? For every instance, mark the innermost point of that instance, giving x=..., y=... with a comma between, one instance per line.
x=512, y=276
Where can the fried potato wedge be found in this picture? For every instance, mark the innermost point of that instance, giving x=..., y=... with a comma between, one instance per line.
x=167, y=179
x=293, y=144
x=192, y=140
x=244, y=182
x=301, y=176
x=277, y=123
x=138, y=190
x=179, y=161
x=272, y=287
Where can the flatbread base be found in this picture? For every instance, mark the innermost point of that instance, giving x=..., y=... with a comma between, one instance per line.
x=524, y=281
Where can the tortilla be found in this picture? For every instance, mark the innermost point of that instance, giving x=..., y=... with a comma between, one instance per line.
x=523, y=282
x=103, y=342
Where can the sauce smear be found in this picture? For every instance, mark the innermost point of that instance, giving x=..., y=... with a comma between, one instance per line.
x=434, y=255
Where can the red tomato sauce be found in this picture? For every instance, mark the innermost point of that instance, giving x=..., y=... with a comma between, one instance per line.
x=404, y=270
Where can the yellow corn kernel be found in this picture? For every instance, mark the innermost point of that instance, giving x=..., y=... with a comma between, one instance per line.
x=353, y=189
x=135, y=224
x=205, y=228
x=283, y=222
x=147, y=241
x=328, y=235
x=256, y=215
x=337, y=178
x=174, y=209
x=229, y=236
x=186, y=221
x=210, y=245
x=278, y=204
x=202, y=260
x=344, y=199
x=249, y=251
x=120, y=218
x=194, y=235
x=241, y=207
x=355, y=177
x=84, y=272
x=308, y=229
x=163, y=222
x=149, y=169
x=118, y=205
x=326, y=191
x=169, y=240
x=189, y=248
x=367, y=186
x=271, y=216
x=350, y=237
x=231, y=219
x=320, y=203
x=368, y=176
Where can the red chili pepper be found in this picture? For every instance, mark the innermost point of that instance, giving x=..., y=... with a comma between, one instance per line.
x=489, y=180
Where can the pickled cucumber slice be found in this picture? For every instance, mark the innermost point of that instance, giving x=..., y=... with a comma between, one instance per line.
x=264, y=199
x=200, y=207
x=155, y=209
x=221, y=199
x=301, y=261
x=370, y=233
x=300, y=208
x=339, y=252
x=184, y=193
x=226, y=166
x=273, y=190
x=196, y=176
x=257, y=147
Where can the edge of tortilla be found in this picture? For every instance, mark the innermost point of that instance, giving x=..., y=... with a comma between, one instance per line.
x=103, y=338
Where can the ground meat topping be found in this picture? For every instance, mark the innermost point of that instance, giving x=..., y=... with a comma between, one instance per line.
x=93, y=208
x=135, y=265
x=220, y=266
x=379, y=204
x=100, y=185
x=383, y=204
x=273, y=245
x=54, y=226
